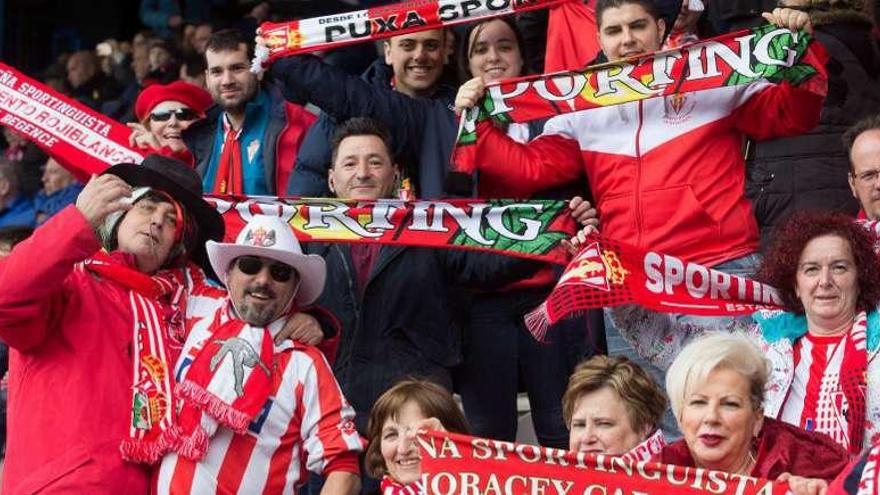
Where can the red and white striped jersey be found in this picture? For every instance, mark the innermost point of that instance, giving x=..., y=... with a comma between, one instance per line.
x=817, y=401
x=306, y=425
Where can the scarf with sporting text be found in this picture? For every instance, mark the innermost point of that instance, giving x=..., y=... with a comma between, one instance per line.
x=765, y=53
x=607, y=273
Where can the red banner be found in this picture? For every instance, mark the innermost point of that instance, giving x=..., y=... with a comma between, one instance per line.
x=457, y=464
x=333, y=31
x=83, y=140
x=608, y=273
x=530, y=229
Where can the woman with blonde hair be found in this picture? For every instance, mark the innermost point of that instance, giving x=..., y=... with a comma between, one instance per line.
x=716, y=387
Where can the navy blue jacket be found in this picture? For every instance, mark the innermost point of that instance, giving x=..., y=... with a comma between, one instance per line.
x=423, y=130
x=407, y=321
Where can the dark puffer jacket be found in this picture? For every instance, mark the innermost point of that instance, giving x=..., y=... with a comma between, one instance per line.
x=810, y=171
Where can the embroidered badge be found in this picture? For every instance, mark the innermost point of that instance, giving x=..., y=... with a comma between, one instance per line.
x=678, y=108
x=260, y=237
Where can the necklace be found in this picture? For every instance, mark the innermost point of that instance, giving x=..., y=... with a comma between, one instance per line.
x=747, y=466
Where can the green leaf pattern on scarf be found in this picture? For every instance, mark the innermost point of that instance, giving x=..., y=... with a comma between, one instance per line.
x=543, y=244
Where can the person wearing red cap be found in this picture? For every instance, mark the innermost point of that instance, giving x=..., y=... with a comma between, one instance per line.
x=164, y=111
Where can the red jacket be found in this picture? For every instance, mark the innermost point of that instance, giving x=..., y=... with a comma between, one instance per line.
x=70, y=339
x=782, y=448
x=667, y=173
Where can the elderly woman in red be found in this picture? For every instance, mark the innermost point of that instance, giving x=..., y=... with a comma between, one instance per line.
x=164, y=111
x=825, y=376
x=716, y=386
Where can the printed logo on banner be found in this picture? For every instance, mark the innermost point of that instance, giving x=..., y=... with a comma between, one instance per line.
x=595, y=268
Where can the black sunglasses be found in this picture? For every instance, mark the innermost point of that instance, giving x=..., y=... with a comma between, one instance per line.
x=251, y=265
x=182, y=114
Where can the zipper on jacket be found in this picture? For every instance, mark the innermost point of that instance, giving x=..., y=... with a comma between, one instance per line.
x=637, y=194
x=357, y=314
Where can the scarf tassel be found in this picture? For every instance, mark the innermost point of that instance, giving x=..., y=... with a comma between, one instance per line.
x=193, y=446
x=216, y=408
x=538, y=322
x=149, y=452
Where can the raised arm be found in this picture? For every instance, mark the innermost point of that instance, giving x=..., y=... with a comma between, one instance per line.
x=32, y=277
x=553, y=159
x=782, y=109
x=343, y=96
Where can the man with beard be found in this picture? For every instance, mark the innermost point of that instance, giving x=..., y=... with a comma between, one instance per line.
x=249, y=141
x=270, y=410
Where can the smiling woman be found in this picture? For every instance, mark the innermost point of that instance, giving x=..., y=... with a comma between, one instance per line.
x=164, y=112
x=397, y=415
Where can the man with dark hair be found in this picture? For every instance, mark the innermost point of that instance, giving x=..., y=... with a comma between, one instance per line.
x=15, y=208
x=862, y=144
x=91, y=332
x=398, y=306
x=249, y=140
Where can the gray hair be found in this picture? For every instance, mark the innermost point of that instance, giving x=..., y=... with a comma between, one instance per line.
x=714, y=351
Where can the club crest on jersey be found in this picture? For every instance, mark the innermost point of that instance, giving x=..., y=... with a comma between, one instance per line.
x=678, y=108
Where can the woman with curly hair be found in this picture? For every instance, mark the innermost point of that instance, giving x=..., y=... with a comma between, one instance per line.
x=822, y=346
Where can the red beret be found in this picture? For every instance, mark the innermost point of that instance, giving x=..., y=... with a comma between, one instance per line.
x=190, y=95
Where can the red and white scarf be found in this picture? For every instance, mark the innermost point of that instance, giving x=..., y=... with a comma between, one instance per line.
x=649, y=447
x=390, y=487
x=158, y=325
x=224, y=378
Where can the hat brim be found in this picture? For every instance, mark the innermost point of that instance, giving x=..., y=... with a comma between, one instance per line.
x=311, y=267
x=210, y=223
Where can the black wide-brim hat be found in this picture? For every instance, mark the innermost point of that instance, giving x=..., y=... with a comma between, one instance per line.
x=183, y=184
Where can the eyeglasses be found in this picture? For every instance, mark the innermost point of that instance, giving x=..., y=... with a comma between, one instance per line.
x=182, y=114
x=869, y=176
x=251, y=265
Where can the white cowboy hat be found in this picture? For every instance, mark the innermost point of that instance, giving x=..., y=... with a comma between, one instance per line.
x=270, y=237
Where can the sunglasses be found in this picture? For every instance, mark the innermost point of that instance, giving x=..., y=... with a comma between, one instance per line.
x=251, y=265
x=182, y=114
